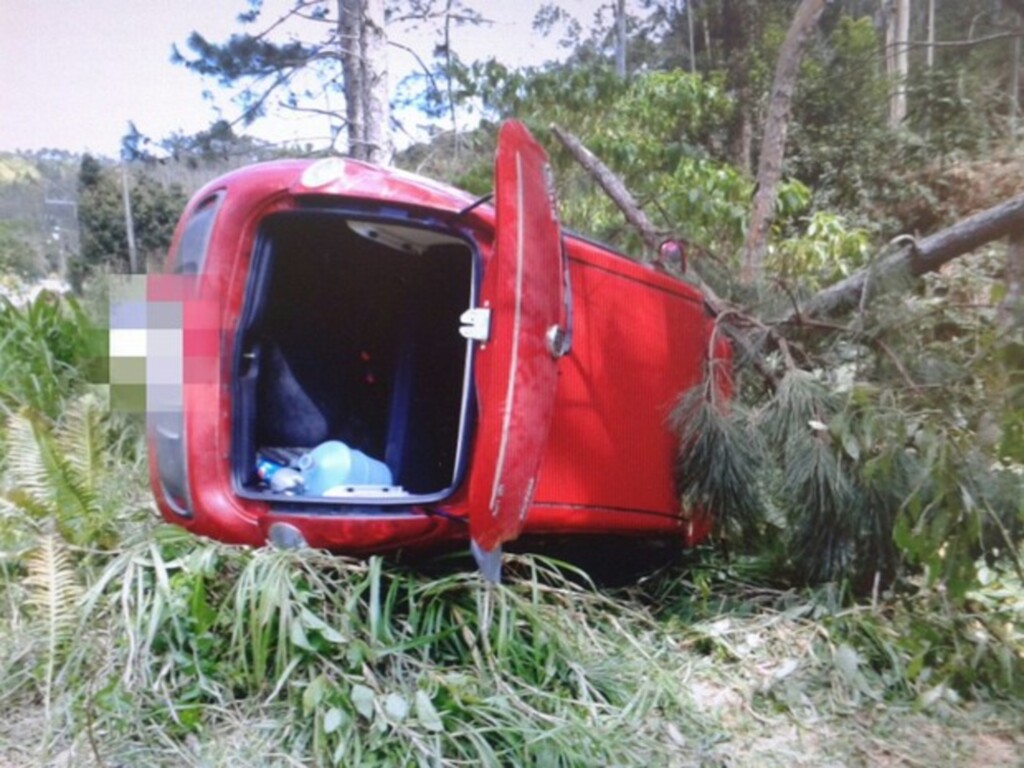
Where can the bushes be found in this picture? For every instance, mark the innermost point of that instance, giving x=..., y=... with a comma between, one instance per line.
x=47, y=350
x=360, y=663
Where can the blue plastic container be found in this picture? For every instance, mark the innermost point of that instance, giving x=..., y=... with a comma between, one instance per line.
x=333, y=463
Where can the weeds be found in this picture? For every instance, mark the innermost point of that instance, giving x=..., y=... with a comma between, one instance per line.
x=184, y=646
x=380, y=666
x=127, y=643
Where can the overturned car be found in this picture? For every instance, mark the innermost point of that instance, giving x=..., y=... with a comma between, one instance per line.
x=370, y=361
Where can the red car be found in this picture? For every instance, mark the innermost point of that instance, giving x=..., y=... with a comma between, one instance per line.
x=372, y=361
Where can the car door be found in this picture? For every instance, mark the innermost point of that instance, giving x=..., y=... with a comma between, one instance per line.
x=525, y=290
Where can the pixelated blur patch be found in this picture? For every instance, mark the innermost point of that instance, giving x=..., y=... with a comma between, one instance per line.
x=126, y=362
x=145, y=342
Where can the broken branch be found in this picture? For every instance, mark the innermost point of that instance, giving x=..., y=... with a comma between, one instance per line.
x=926, y=255
x=626, y=203
x=613, y=187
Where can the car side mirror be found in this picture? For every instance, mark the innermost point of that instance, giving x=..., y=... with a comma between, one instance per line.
x=673, y=251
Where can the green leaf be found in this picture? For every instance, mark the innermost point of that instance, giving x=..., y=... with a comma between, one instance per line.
x=331, y=635
x=363, y=699
x=427, y=714
x=396, y=706
x=851, y=445
x=333, y=720
x=311, y=621
x=313, y=694
x=847, y=662
x=297, y=634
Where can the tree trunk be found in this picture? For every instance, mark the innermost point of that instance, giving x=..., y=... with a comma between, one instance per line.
x=364, y=66
x=620, y=40
x=927, y=255
x=375, y=82
x=743, y=140
x=897, y=58
x=740, y=24
x=689, y=29
x=1015, y=89
x=129, y=221
x=350, y=13
x=1011, y=309
x=1018, y=7
x=773, y=146
x=930, y=56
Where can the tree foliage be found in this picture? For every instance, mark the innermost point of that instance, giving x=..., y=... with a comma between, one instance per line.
x=871, y=448
x=329, y=58
x=155, y=209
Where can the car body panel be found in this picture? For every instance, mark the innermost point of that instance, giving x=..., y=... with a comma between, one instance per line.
x=587, y=444
x=516, y=373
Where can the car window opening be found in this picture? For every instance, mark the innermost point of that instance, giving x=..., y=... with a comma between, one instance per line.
x=351, y=377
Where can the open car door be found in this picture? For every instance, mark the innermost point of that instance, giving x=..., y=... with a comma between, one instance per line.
x=525, y=289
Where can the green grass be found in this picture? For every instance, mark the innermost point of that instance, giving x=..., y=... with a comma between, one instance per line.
x=125, y=642
x=192, y=653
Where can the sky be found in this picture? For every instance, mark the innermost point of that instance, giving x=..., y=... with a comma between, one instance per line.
x=75, y=72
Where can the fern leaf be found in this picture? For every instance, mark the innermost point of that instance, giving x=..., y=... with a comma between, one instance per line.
x=43, y=474
x=25, y=459
x=81, y=440
x=55, y=592
x=53, y=587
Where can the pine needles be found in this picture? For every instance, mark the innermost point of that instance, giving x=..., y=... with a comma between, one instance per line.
x=719, y=465
x=853, y=486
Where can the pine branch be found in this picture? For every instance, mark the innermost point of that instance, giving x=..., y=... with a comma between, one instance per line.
x=718, y=465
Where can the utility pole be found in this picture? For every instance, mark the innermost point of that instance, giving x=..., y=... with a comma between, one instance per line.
x=689, y=29
x=129, y=222
x=620, y=41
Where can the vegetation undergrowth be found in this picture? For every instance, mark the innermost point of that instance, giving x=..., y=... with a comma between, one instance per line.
x=869, y=609
x=363, y=664
x=179, y=651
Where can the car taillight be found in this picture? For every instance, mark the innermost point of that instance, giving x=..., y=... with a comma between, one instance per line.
x=165, y=415
x=165, y=357
x=166, y=429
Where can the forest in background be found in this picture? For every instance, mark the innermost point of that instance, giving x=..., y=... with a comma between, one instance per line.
x=863, y=600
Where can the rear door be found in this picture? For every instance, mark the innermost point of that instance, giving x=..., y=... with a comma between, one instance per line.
x=517, y=367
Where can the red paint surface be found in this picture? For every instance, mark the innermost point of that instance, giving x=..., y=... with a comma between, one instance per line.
x=516, y=374
x=587, y=436
x=639, y=340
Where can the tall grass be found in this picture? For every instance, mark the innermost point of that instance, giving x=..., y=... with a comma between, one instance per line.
x=48, y=349
x=130, y=643
x=375, y=665
x=193, y=653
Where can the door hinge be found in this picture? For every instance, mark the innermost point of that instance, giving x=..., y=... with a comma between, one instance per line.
x=476, y=324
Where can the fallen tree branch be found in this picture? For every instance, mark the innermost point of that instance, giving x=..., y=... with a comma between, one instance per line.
x=926, y=255
x=624, y=200
x=613, y=187
x=914, y=260
x=621, y=196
